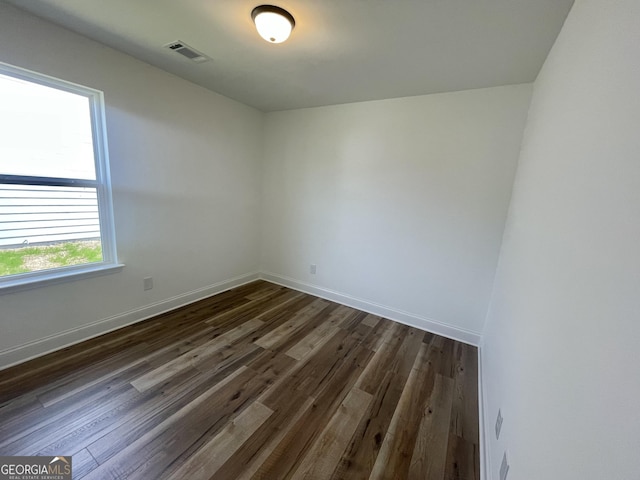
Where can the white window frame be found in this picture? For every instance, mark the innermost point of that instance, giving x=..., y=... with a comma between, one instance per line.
x=102, y=183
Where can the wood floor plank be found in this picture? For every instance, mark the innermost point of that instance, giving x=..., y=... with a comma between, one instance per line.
x=151, y=408
x=463, y=460
x=34, y=431
x=465, y=400
x=108, y=368
x=53, y=371
x=399, y=441
x=207, y=460
x=189, y=433
x=131, y=456
x=322, y=458
x=258, y=382
x=83, y=463
x=320, y=371
x=290, y=451
x=250, y=309
x=39, y=439
x=430, y=452
x=261, y=445
x=371, y=320
x=353, y=320
x=360, y=456
x=319, y=335
x=385, y=350
x=195, y=356
x=18, y=413
x=297, y=321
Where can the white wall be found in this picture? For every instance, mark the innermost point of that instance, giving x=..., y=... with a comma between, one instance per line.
x=185, y=165
x=398, y=202
x=563, y=332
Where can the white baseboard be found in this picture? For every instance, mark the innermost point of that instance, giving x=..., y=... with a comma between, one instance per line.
x=37, y=348
x=485, y=457
x=427, y=324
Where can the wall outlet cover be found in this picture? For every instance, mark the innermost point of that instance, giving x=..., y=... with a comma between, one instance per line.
x=498, y=424
x=504, y=468
x=148, y=283
x=312, y=269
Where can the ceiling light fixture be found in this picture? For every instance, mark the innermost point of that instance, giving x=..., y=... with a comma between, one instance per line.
x=274, y=24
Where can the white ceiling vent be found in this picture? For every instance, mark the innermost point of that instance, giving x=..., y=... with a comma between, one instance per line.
x=187, y=51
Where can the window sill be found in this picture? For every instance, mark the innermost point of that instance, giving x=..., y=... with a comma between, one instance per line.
x=50, y=277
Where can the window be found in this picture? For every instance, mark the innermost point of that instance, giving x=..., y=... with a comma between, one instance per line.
x=56, y=218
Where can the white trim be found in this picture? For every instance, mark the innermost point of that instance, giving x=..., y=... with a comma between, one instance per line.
x=102, y=174
x=103, y=177
x=36, y=348
x=22, y=353
x=27, y=281
x=423, y=323
x=485, y=458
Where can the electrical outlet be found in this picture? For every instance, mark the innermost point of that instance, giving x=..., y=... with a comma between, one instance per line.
x=148, y=283
x=498, y=424
x=312, y=269
x=504, y=468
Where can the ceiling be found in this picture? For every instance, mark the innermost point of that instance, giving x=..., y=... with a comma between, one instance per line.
x=341, y=51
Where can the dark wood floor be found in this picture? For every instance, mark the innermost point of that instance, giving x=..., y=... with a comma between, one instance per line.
x=260, y=382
